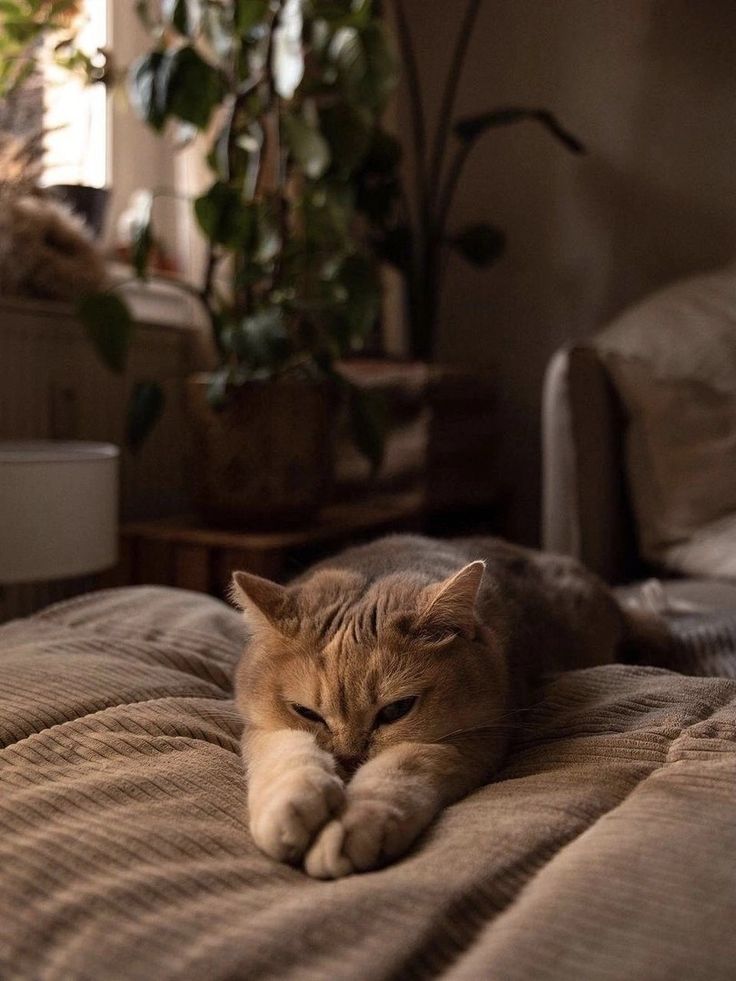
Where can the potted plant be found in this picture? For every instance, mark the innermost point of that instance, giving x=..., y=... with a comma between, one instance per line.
x=418, y=236
x=287, y=98
x=445, y=413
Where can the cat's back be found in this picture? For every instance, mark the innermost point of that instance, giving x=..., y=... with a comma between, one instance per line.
x=554, y=602
x=551, y=605
x=424, y=560
x=518, y=571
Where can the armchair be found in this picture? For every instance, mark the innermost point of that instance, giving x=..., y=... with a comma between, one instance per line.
x=587, y=417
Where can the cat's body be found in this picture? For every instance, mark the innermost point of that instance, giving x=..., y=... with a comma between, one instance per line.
x=386, y=683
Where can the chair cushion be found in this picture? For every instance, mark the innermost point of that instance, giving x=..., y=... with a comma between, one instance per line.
x=672, y=360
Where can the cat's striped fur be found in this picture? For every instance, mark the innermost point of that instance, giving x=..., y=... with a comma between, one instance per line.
x=387, y=681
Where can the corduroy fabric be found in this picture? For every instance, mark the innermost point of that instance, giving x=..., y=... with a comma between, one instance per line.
x=604, y=850
x=705, y=644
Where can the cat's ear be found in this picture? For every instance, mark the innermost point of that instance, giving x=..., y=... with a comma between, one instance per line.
x=260, y=598
x=450, y=605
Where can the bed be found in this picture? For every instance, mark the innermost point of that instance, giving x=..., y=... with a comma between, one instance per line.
x=605, y=849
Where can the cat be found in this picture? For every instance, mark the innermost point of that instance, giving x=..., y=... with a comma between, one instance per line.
x=386, y=682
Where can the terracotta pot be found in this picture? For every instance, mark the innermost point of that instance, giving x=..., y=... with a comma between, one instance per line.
x=264, y=461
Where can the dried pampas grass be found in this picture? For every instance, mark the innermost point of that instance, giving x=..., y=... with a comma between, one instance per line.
x=45, y=251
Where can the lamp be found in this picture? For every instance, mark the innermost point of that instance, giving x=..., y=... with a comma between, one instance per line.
x=58, y=509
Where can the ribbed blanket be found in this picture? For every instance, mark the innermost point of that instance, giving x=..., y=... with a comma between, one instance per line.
x=606, y=849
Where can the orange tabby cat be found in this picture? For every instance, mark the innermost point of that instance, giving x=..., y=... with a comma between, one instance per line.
x=383, y=685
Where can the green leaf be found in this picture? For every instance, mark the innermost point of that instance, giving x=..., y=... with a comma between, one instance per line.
x=268, y=338
x=224, y=217
x=248, y=13
x=307, y=145
x=346, y=50
x=470, y=128
x=358, y=279
x=260, y=340
x=287, y=52
x=366, y=64
x=185, y=16
x=340, y=14
x=21, y=31
x=481, y=244
x=190, y=88
x=369, y=422
x=237, y=162
x=109, y=326
x=348, y=131
x=383, y=69
x=362, y=10
x=217, y=388
x=327, y=211
x=144, y=410
x=145, y=80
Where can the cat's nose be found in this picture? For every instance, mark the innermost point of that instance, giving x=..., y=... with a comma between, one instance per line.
x=349, y=764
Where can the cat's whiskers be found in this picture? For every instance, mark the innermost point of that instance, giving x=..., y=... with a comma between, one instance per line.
x=502, y=722
x=470, y=729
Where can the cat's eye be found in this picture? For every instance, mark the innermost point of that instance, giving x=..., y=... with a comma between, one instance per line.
x=307, y=713
x=395, y=711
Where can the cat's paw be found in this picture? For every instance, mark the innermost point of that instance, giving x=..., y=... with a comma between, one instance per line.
x=286, y=818
x=368, y=835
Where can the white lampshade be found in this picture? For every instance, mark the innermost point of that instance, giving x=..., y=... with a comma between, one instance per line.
x=58, y=509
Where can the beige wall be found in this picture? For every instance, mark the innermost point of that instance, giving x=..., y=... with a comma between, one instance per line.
x=650, y=87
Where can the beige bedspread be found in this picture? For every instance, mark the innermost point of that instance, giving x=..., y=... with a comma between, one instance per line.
x=606, y=848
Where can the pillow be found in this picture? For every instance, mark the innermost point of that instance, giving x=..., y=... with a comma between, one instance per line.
x=710, y=551
x=672, y=360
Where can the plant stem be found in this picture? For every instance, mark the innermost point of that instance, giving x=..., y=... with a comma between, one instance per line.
x=437, y=205
x=416, y=106
x=436, y=268
x=420, y=238
x=448, y=97
x=205, y=296
x=450, y=186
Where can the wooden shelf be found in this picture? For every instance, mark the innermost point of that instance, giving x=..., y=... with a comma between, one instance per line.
x=182, y=552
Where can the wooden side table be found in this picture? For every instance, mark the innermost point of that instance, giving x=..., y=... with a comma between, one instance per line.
x=180, y=552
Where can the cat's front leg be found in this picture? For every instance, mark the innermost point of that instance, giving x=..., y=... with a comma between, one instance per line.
x=389, y=802
x=293, y=791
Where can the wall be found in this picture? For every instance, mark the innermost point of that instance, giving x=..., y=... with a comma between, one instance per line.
x=650, y=87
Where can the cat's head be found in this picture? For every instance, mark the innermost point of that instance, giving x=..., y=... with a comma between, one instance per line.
x=366, y=665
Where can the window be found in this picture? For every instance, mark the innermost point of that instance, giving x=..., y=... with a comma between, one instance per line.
x=93, y=137
x=75, y=114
